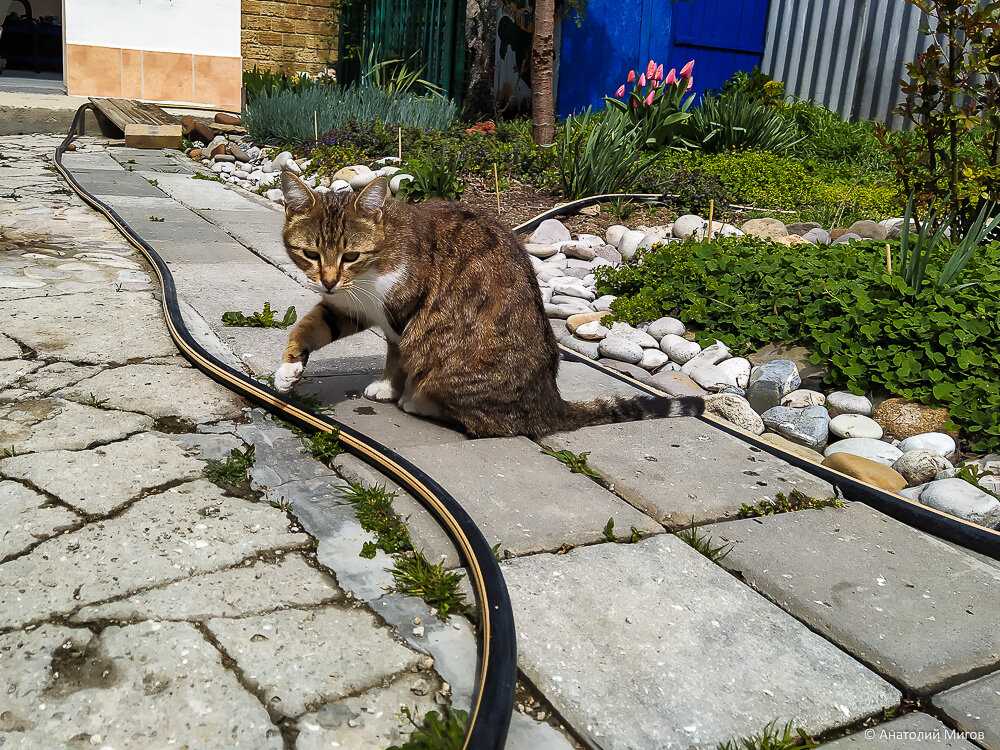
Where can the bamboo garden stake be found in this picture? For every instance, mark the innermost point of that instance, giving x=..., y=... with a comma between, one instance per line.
x=711, y=214
x=400, y=135
x=888, y=259
x=316, y=125
x=496, y=181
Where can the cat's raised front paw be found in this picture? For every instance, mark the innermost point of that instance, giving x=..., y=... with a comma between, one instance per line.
x=381, y=390
x=287, y=375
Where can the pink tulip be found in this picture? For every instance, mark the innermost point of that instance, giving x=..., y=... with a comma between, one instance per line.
x=631, y=76
x=651, y=69
x=649, y=99
x=642, y=80
x=690, y=83
x=620, y=92
x=654, y=83
x=686, y=70
x=659, y=72
x=634, y=104
x=671, y=77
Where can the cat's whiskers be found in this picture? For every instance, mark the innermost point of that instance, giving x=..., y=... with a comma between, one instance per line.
x=376, y=299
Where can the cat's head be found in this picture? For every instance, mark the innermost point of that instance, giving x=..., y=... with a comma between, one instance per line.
x=333, y=237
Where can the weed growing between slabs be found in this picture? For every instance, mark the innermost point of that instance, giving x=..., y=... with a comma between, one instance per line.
x=234, y=471
x=773, y=737
x=446, y=732
x=576, y=463
x=703, y=543
x=609, y=533
x=411, y=571
x=782, y=503
x=264, y=319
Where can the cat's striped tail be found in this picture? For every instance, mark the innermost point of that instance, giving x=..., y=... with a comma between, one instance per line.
x=577, y=414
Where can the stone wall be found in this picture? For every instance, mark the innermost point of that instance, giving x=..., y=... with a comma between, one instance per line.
x=289, y=36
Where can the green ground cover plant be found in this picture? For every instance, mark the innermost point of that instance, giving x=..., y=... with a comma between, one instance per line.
x=444, y=732
x=234, y=470
x=872, y=329
x=263, y=319
x=373, y=507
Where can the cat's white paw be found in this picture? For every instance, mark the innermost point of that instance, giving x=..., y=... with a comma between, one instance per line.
x=421, y=407
x=287, y=375
x=381, y=390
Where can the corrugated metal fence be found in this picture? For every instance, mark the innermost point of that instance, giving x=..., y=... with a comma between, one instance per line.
x=845, y=54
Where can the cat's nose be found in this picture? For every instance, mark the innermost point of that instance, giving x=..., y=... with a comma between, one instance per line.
x=329, y=283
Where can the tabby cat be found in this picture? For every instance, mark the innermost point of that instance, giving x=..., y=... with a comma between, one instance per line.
x=455, y=295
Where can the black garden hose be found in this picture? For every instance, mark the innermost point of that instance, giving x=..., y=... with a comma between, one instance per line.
x=950, y=528
x=493, y=701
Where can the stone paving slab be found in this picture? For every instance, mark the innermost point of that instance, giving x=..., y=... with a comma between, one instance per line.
x=916, y=730
x=247, y=590
x=63, y=327
x=28, y=518
x=52, y=423
x=299, y=659
x=101, y=479
x=9, y=348
x=262, y=349
x=520, y=498
x=386, y=423
x=578, y=382
x=199, y=194
x=975, y=708
x=146, y=685
x=372, y=719
x=160, y=391
x=184, y=531
x=651, y=645
x=51, y=378
x=915, y=609
x=14, y=370
x=681, y=469
x=110, y=183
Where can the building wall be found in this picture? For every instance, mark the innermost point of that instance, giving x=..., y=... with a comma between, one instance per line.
x=171, y=51
x=298, y=35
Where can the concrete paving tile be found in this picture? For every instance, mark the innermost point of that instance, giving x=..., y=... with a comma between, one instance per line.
x=262, y=348
x=246, y=590
x=77, y=161
x=101, y=479
x=679, y=469
x=915, y=609
x=301, y=659
x=52, y=423
x=651, y=645
x=371, y=719
x=916, y=730
x=199, y=194
x=13, y=370
x=109, y=183
x=259, y=229
x=577, y=382
x=58, y=375
x=160, y=391
x=386, y=423
x=162, y=538
x=9, y=348
x=145, y=685
x=28, y=518
x=100, y=327
x=975, y=708
x=522, y=499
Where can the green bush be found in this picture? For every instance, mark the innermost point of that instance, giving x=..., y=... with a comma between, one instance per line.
x=433, y=178
x=870, y=329
x=288, y=117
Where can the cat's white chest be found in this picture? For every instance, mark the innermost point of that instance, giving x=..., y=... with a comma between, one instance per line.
x=365, y=300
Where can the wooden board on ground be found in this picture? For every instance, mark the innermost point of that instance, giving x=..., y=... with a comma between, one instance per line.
x=143, y=125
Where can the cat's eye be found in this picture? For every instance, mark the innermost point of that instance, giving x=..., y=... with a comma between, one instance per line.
x=311, y=254
x=350, y=257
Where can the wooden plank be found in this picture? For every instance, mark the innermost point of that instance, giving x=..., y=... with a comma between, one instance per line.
x=140, y=135
x=111, y=111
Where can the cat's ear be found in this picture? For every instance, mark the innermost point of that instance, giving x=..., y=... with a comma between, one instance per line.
x=369, y=204
x=299, y=199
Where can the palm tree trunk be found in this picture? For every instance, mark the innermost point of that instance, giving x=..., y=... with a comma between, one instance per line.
x=543, y=108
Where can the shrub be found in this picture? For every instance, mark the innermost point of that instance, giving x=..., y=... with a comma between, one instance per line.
x=692, y=190
x=434, y=179
x=871, y=329
x=738, y=122
x=287, y=117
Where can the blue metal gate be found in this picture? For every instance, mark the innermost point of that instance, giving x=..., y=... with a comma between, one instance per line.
x=722, y=36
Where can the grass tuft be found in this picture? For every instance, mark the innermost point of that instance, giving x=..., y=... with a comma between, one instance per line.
x=782, y=503
x=96, y=402
x=446, y=732
x=234, y=470
x=264, y=319
x=609, y=533
x=703, y=543
x=772, y=737
x=415, y=576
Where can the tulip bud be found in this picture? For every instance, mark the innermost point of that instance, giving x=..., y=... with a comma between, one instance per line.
x=671, y=77
x=631, y=76
x=651, y=69
x=649, y=99
x=686, y=70
x=642, y=80
x=659, y=72
x=620, y=92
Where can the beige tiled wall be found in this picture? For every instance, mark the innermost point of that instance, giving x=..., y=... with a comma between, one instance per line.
x=153, y=76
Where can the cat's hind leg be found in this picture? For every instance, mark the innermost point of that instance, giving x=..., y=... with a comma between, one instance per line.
x=317, y=329
x=390, y=387
x=415, y=403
